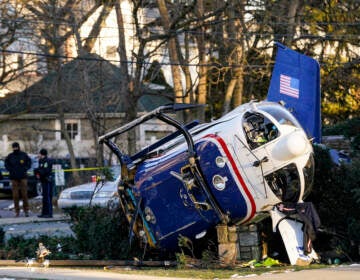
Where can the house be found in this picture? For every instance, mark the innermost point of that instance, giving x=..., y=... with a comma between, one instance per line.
x=93, y=99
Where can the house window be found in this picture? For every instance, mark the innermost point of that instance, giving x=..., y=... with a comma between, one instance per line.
x=72, y=127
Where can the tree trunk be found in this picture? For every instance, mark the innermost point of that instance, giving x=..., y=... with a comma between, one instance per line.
x=122, y=45
x=126, y=89
x=189, y=97
x=189, y=93
x=174, y=60
x=237, y=98
x=202, y=87
x=291, y=15
x=234, y=90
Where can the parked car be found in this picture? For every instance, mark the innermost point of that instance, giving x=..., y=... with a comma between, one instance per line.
x=34, y=186
x=103, y=193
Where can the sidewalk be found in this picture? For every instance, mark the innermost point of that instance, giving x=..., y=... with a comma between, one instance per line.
x=33, y=226
x=32, y=219
x=7, y=211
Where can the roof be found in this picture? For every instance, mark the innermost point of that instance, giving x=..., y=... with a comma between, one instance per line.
x=101, y=81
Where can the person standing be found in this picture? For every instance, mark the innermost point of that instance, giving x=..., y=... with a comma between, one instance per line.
x=44, y=174
x=18, y=163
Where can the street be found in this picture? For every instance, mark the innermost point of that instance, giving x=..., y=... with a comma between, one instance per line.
x=343, y=272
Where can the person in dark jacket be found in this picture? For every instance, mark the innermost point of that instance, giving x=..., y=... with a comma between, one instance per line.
x=44, y=174
x=18, y=163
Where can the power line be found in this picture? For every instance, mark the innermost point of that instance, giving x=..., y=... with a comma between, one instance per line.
x=132, y=62
x=147, y=18
x=67, y=23
x=228, y=65
x=250, y=10
x=231, y=36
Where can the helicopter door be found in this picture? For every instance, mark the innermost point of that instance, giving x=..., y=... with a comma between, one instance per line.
x=259, y=131
x=245, y=158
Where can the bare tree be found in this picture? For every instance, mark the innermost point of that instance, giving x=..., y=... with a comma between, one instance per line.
x=13, y=64
x=235, y=28
x=232, y=41
x=174, y=60
x=147, y=43
x=189, y=22
x=55, y=22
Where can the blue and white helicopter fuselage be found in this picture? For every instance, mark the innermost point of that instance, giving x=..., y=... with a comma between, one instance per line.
x=230, y=171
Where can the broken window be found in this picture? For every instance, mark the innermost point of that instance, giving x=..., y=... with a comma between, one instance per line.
x=285, y=183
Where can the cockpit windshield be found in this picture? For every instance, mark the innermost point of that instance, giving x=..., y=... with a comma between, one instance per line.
x=258, y=129
x=282, y=115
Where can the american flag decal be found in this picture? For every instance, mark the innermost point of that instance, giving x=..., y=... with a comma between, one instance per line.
x=289, y=86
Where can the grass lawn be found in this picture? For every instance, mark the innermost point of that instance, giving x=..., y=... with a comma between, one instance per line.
x=224, y=273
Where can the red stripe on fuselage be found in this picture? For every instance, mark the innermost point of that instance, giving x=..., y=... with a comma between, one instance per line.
x=237, y=173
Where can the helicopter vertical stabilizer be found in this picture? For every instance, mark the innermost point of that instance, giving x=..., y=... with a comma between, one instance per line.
x=296, y=81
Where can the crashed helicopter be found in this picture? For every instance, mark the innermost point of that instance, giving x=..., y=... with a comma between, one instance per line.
x=232, y=171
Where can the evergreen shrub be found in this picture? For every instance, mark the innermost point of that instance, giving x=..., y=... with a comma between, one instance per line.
x=102, y=233
x=336, y=195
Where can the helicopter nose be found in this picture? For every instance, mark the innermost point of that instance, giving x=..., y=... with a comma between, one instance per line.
x=290, y=146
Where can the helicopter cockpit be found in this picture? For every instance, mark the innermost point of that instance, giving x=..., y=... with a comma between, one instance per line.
x=267, y=123
x=258, y=129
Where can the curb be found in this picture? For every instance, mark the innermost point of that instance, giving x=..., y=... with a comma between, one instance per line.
x=107, y=264
x=32, y=219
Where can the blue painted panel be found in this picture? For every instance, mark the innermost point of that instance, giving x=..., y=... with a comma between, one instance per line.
x=230, y=199
x=164, y=194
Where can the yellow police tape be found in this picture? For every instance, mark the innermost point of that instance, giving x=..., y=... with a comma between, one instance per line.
x=79, y=169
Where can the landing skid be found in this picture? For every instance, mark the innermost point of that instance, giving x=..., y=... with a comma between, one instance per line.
x=292, y=235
